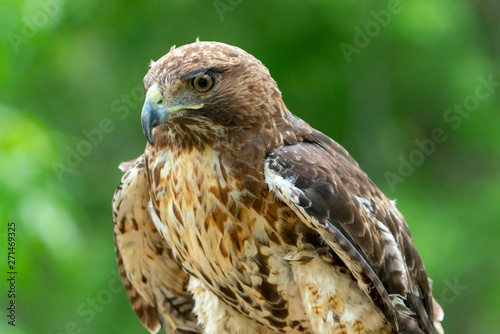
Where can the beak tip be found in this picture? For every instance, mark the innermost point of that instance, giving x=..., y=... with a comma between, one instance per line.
x=147, y=130
x=148, y=133
x=149, y=119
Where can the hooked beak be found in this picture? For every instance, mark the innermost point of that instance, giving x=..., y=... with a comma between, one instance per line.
x=156, y=111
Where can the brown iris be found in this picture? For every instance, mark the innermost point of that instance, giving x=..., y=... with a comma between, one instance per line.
x=203, y=82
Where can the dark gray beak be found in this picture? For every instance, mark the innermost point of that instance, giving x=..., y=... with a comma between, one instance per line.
x=150, y=118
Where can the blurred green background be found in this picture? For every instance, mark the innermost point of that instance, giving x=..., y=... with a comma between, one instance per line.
x=410, y=88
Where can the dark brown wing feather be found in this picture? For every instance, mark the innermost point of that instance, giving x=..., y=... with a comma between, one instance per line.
x=338, y=199
x=155, y=283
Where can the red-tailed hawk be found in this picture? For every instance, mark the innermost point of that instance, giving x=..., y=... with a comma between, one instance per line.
x=241, y=218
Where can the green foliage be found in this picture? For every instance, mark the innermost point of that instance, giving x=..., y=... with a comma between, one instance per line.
x=70, y=100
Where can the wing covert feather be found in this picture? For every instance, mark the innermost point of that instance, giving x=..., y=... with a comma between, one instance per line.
x=324, y=186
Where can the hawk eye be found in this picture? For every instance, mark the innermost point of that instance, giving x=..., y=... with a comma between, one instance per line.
x=203, y=82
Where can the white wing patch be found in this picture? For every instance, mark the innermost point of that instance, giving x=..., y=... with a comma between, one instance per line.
x=391, y=249
x=366, y=204
x=284, y=189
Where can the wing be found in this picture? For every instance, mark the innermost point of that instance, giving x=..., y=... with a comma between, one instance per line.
x=155, y=283
x=324, y=186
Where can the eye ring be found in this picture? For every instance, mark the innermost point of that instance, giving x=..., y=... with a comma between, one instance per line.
x=203, y=82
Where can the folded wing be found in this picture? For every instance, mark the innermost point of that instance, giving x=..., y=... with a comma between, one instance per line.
x=324, y=186
x=155, y=283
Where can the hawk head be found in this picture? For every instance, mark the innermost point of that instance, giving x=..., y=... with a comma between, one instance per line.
x=211, y=86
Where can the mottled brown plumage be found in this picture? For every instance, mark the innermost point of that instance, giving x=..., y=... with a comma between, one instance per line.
x=154, y=281
x=241, y=218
